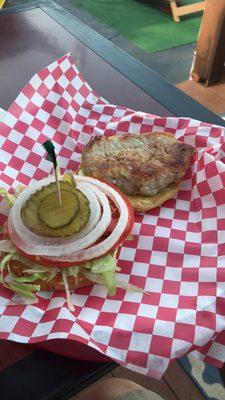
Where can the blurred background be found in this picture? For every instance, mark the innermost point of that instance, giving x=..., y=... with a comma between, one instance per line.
x=183, y=41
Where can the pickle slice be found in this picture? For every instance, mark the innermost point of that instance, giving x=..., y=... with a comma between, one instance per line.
x=55, y=216
x=38, y=196
x=69, y=178
x=44, y=218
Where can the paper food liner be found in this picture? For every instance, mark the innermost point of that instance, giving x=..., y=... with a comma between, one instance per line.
x=178, y=251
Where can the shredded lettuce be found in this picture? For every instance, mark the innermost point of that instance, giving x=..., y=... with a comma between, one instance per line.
x=73, y=271
x=46, y=273
x=21, y=285
x=96, y=278
x=41, y=272
x=9, y=198
x=6, y=246
x=109, y=280
x=17, y=284
x=106, y=266
x=99, y=278
x=101, y=270
x=45, y=276
x=4, y=262
x=130, y=287
x=26, y=286
x=103, y=264
x=86, y=265
x=31, y=278
x=23, y=289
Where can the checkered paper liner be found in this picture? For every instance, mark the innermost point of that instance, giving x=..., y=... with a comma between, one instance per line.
x=178, y=251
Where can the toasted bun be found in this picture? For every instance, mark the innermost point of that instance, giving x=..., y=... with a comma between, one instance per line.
x=146, y=203
x=56, y=283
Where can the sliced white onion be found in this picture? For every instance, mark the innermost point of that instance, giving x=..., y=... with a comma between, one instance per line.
x=76, y=248
x=34, y=244
x=105, y=245
x=54, y=241
x=95, y=211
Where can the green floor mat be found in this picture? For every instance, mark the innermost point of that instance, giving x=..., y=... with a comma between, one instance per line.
x=144, y=22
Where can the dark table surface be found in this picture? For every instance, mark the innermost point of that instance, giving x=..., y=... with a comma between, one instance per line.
x=32, y=36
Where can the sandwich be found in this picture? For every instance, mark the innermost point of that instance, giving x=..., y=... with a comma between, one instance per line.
x=147, y=168
x=47, y=244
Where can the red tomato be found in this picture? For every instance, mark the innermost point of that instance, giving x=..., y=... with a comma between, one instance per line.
x=5, y=233
x=46, y=262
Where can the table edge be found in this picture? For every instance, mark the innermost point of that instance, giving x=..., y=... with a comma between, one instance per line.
x=37, y=383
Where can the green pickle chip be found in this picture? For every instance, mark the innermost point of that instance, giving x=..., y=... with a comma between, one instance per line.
x=55, y=216
x=43, y=215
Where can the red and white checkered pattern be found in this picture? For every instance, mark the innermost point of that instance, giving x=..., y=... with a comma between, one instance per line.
x=178, y=251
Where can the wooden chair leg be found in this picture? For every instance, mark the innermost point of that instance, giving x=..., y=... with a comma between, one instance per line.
x=179, y=10
x=173, y=6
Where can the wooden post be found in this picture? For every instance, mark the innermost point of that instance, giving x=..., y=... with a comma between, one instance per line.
x=209, y=58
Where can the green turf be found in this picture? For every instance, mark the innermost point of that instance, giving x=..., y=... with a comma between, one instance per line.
x=144, y=23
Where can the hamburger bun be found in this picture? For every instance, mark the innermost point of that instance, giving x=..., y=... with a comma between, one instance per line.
x=145, y=203
x=147, y=168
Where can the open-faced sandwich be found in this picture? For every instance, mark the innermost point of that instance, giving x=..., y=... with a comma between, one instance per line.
x=147, y=168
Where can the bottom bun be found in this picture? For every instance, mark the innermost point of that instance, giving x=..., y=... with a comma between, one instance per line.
x=56, y=283
x=146, y=203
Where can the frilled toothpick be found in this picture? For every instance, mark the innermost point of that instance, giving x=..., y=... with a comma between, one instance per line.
x=50, y=148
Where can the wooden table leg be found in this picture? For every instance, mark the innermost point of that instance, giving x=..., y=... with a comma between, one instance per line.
x=208, y=63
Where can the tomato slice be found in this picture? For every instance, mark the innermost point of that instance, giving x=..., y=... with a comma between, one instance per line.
x=130, y=222
x=5, y=233
x=46, y=262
